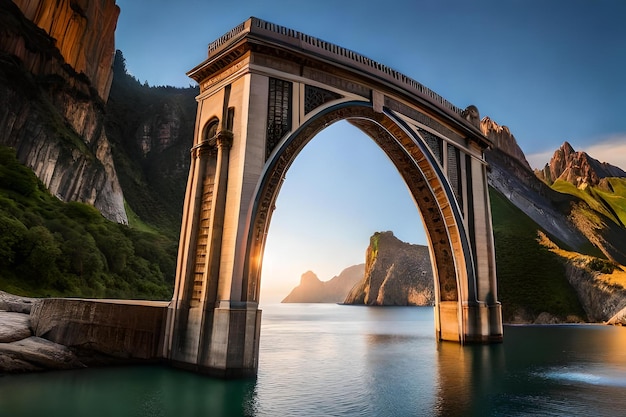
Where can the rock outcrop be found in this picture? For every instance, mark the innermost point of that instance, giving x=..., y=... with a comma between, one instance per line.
x=567, y=218
x=15, y=326
x=578, y=168
x=618, y=319
x=600, y=300
x=396, y=273
x=36, y=354
x=503, y=139
x=536, y=199
x=335, y=290
x=20, y=350
x=53, y=113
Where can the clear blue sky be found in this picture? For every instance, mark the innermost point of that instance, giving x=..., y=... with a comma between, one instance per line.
x=550, y=70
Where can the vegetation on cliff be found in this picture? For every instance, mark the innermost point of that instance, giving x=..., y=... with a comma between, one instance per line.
x=52, y=248
x=151, y=132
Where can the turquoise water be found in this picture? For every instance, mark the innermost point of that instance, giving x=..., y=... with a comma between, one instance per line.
x=332, y=360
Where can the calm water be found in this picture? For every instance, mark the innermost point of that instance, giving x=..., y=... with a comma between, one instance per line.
x=331, y=360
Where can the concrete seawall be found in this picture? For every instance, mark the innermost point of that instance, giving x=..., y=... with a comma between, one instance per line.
x=123, y=329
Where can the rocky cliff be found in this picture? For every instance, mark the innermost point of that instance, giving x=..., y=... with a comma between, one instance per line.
x=581, y=219
x=335, y=290
x=580, y=222
x=396, y=273
x=84, y=34
x=51, y=112
x=503, y=140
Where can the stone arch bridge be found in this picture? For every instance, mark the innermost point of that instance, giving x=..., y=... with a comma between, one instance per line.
x=265, y=92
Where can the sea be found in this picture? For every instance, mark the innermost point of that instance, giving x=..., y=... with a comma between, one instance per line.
x=340, y=360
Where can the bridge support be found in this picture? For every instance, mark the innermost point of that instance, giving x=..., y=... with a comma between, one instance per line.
x=265, y=91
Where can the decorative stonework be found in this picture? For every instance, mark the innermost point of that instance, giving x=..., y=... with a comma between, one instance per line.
x=278, y=112
x=337, y=82
x=435, y=143
x=421, y=118
x=454, y=172
x=315, y=97
x=223, y=75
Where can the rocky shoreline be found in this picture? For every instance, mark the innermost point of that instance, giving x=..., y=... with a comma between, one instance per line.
x=67, y=333
x=20, y=349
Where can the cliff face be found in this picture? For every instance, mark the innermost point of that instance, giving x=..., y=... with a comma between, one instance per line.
x=601, y=300
x=335, y=290
x=584, y=221
x=51, y=112
x=84, y=35
x=396, y=273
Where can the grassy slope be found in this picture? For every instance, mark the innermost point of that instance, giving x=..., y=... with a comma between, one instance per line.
x=615, y=202
x=531, y=279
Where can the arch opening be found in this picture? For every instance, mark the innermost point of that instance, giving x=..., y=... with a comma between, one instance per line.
x=340, y=190
x=431, y=194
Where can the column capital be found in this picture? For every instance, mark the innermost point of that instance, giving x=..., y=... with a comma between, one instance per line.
x=224, y=139
x=206, y=147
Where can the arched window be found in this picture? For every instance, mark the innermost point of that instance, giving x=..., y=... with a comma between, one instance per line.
x=210, y=129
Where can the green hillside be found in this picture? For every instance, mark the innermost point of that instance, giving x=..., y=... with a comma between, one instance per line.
x=531, y=279
x=52, y=248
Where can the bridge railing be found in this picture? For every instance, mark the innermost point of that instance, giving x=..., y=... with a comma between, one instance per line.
x=311, y=43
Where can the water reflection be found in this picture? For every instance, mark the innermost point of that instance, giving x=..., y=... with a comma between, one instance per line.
x=136, y=391
x=350, y=361
x=468, y=378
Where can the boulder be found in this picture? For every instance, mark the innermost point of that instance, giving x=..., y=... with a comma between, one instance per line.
x=15, y=303
x=35, y=353
x=14, y=326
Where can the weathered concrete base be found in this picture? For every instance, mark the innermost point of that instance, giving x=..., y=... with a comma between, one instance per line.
x=447, y=321
x=479, y=322
x=482, y=323
x=124, y=329
x=229, y=347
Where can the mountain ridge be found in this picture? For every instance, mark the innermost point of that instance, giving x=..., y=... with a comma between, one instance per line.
x=312, y=290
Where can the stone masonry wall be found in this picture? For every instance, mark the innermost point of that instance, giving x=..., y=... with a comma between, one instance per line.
x=125, y=330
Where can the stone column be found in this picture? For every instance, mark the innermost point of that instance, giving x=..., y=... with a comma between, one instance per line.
x=184, y=318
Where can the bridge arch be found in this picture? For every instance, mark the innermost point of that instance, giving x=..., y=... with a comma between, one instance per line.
x=414, y=161
x=266, y=91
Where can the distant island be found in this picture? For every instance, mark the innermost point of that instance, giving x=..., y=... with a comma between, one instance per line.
x=396, y=273
x=335, y=290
